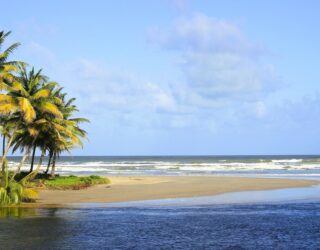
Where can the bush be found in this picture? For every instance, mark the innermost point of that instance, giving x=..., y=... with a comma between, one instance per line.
x=14, y=193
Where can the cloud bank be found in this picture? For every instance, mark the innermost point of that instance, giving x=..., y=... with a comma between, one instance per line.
x=225, y=77
x=224, y=95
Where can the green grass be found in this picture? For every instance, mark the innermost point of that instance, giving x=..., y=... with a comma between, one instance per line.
x=64, y=182
x=75, y=182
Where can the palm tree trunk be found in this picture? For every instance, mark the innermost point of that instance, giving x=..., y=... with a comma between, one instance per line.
x=53, y=169
x=32, y=157
x=3, y=163
x=49, y=162
x=34, y=173
x=3, y=144
x=6, y=151
x=18, y=170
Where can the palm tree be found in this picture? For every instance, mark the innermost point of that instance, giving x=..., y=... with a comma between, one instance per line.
x=49, y=107
x=25, y=138
x=28, y=95
x=50, y=133
x=6, y=69
x=72, y=134
x=68, y=134
x=45, y=132
x=34, y=114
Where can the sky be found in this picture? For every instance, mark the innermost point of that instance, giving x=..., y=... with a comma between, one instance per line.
x=179, y=77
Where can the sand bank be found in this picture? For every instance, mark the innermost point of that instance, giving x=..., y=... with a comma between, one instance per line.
x=134, y=188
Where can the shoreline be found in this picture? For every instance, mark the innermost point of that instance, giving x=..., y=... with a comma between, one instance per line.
x=143, y=188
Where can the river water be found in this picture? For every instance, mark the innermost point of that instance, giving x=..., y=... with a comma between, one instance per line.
x=254, y=226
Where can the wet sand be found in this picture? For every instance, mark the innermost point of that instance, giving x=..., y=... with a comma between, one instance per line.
x=135, y=188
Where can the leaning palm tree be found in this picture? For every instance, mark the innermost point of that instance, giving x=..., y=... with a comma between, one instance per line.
x=27, y=95
x=43, y=147
x=7, y=67
x=68, y=133
x=44, y=132
x=50, y=133
x=58, y=145
x=72, y=133
x=34, y=114
x=25, y=138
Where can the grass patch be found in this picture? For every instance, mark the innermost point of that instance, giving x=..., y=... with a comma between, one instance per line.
x=75, y=182
x=64, y=182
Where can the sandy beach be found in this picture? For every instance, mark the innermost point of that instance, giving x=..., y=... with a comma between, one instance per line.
x=134, y=188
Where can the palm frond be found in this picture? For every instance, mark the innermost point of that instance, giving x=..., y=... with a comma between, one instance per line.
x=18, y=87
x=33, y=131
x=7, y=108
x=28, y=111
x=79, y=120
x=48, y=107
x=6, y=99
x=4, y=86
x=11, y=48
x=41, y=94
x=70, y=101
x=57, y=100
x=9, y=67
x=6, y=76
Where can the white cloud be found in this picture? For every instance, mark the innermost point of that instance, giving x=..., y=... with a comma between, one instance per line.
x=217, y=60
x=118, y=90
x=202, y=33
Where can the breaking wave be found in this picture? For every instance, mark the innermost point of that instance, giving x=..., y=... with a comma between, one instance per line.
x=184, y=165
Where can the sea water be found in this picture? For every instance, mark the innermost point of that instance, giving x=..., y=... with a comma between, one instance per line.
x=287, y=166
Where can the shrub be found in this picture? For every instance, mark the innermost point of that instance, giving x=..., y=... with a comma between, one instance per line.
x=12, y=192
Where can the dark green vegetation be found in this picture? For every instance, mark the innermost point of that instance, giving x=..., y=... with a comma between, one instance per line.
x=35, y=114
x=42, y=180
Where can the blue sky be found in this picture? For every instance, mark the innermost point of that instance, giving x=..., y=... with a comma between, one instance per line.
x=181, y=77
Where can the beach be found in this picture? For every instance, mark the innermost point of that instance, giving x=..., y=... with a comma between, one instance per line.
x=137, y=188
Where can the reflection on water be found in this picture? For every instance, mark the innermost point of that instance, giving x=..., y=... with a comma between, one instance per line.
x=272, y=226
x=17, y=212
x=26, y=213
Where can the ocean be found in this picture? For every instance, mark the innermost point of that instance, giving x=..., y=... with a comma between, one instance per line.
x=270, y=219
x=288, y=166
